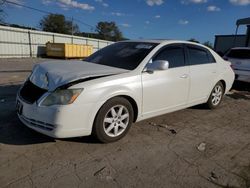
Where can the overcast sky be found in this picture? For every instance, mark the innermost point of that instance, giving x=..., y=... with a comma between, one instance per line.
x=170, y=19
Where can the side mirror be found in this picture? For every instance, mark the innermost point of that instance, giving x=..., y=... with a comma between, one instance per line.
x=157, y=66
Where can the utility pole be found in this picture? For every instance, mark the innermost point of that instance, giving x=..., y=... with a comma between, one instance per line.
x=72, y=29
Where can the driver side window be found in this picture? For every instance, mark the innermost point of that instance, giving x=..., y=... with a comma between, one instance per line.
x=174, y=55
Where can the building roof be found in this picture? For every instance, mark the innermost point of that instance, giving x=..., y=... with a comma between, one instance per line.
x=244, y=21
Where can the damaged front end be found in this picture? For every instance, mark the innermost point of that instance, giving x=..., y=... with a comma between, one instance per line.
x=50, y=82
x=62, y=95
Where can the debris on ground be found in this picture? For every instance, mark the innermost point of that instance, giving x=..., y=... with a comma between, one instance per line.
x=173, y=131
x=164, y=126
x=202, y=146
x=2, y=100
x=99, y=171
x=213, y=176
x=158, y=125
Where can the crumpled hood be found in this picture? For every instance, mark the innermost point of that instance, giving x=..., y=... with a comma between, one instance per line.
x=53, y=74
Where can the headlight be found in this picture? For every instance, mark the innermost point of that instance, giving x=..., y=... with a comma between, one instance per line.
x=61, y=97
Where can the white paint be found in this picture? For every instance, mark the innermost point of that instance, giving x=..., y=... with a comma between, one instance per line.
x=155, y=94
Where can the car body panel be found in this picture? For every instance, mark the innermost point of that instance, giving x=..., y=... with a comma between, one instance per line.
x=62, y=72
x=201, y=75
x=157, y=95
x=70, y=121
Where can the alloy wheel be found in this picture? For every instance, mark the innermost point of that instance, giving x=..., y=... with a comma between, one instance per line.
x=116, y=120
x=217, y=95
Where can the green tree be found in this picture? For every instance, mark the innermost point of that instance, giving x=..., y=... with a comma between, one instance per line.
x=57, y=23
x=109, y=31
x=208, y=44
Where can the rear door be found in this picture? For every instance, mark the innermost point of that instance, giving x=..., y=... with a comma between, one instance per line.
x=203, y=71
x=164, y=90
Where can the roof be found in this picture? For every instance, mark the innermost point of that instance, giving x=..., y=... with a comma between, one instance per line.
x=165, y=42
x=149, y=40
x=242, y=35
x=244, y=21
x=159, y=41
x=241, y=48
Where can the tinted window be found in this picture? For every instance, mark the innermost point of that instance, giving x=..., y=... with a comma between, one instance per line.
x=125, y=55
x=174, y=55
x=239, y=53
x=198, y=56
x=211, y=57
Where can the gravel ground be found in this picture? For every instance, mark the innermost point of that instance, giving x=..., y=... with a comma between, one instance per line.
x=194, y=147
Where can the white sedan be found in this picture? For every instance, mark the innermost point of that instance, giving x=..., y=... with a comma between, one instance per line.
x=120, y=84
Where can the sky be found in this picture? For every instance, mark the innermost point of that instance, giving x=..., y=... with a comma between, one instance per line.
x=142, y=19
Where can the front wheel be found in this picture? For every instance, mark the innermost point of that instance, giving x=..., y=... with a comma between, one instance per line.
x=216, y=96
x=113, y=120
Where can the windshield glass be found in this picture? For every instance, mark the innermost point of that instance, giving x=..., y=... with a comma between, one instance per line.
x=125, y=55
x=239, y=53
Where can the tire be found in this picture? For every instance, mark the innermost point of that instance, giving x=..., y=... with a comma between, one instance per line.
x=216, y=96
x=113, y=120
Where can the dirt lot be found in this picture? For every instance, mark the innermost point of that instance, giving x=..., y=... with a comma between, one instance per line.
x=194, y=147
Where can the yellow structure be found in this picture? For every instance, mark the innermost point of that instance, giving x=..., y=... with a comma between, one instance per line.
x=64, y=50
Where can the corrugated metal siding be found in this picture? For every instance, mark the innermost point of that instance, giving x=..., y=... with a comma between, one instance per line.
x=15, y=42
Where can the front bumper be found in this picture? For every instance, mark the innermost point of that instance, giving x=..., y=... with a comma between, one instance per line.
x=58, y=121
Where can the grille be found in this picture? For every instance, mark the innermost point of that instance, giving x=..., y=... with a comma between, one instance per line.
x=30, y=92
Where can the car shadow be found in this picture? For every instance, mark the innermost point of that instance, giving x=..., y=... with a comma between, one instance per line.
x=241, y=86
x=13, y=132
x=240, y=90
x=199, y=107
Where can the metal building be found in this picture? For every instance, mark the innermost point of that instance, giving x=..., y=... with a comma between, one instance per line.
x=15, y=42
x=225, y=42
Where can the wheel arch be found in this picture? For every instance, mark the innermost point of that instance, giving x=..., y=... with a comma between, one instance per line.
x=224, y=84
x=133, y=103
x=130, y=99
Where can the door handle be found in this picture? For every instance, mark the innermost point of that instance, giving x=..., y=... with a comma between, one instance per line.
x=184, y=76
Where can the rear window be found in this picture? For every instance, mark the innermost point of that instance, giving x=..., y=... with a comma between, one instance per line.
x=198, y=56
x=239, y=54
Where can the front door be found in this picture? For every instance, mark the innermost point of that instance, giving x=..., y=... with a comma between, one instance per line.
x=166, y=90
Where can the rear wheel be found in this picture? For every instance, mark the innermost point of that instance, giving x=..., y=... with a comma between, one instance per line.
x=216, y=96
x=113, y=120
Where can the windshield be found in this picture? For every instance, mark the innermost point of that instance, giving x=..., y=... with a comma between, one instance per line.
x=239, y=54
x=125, y=55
